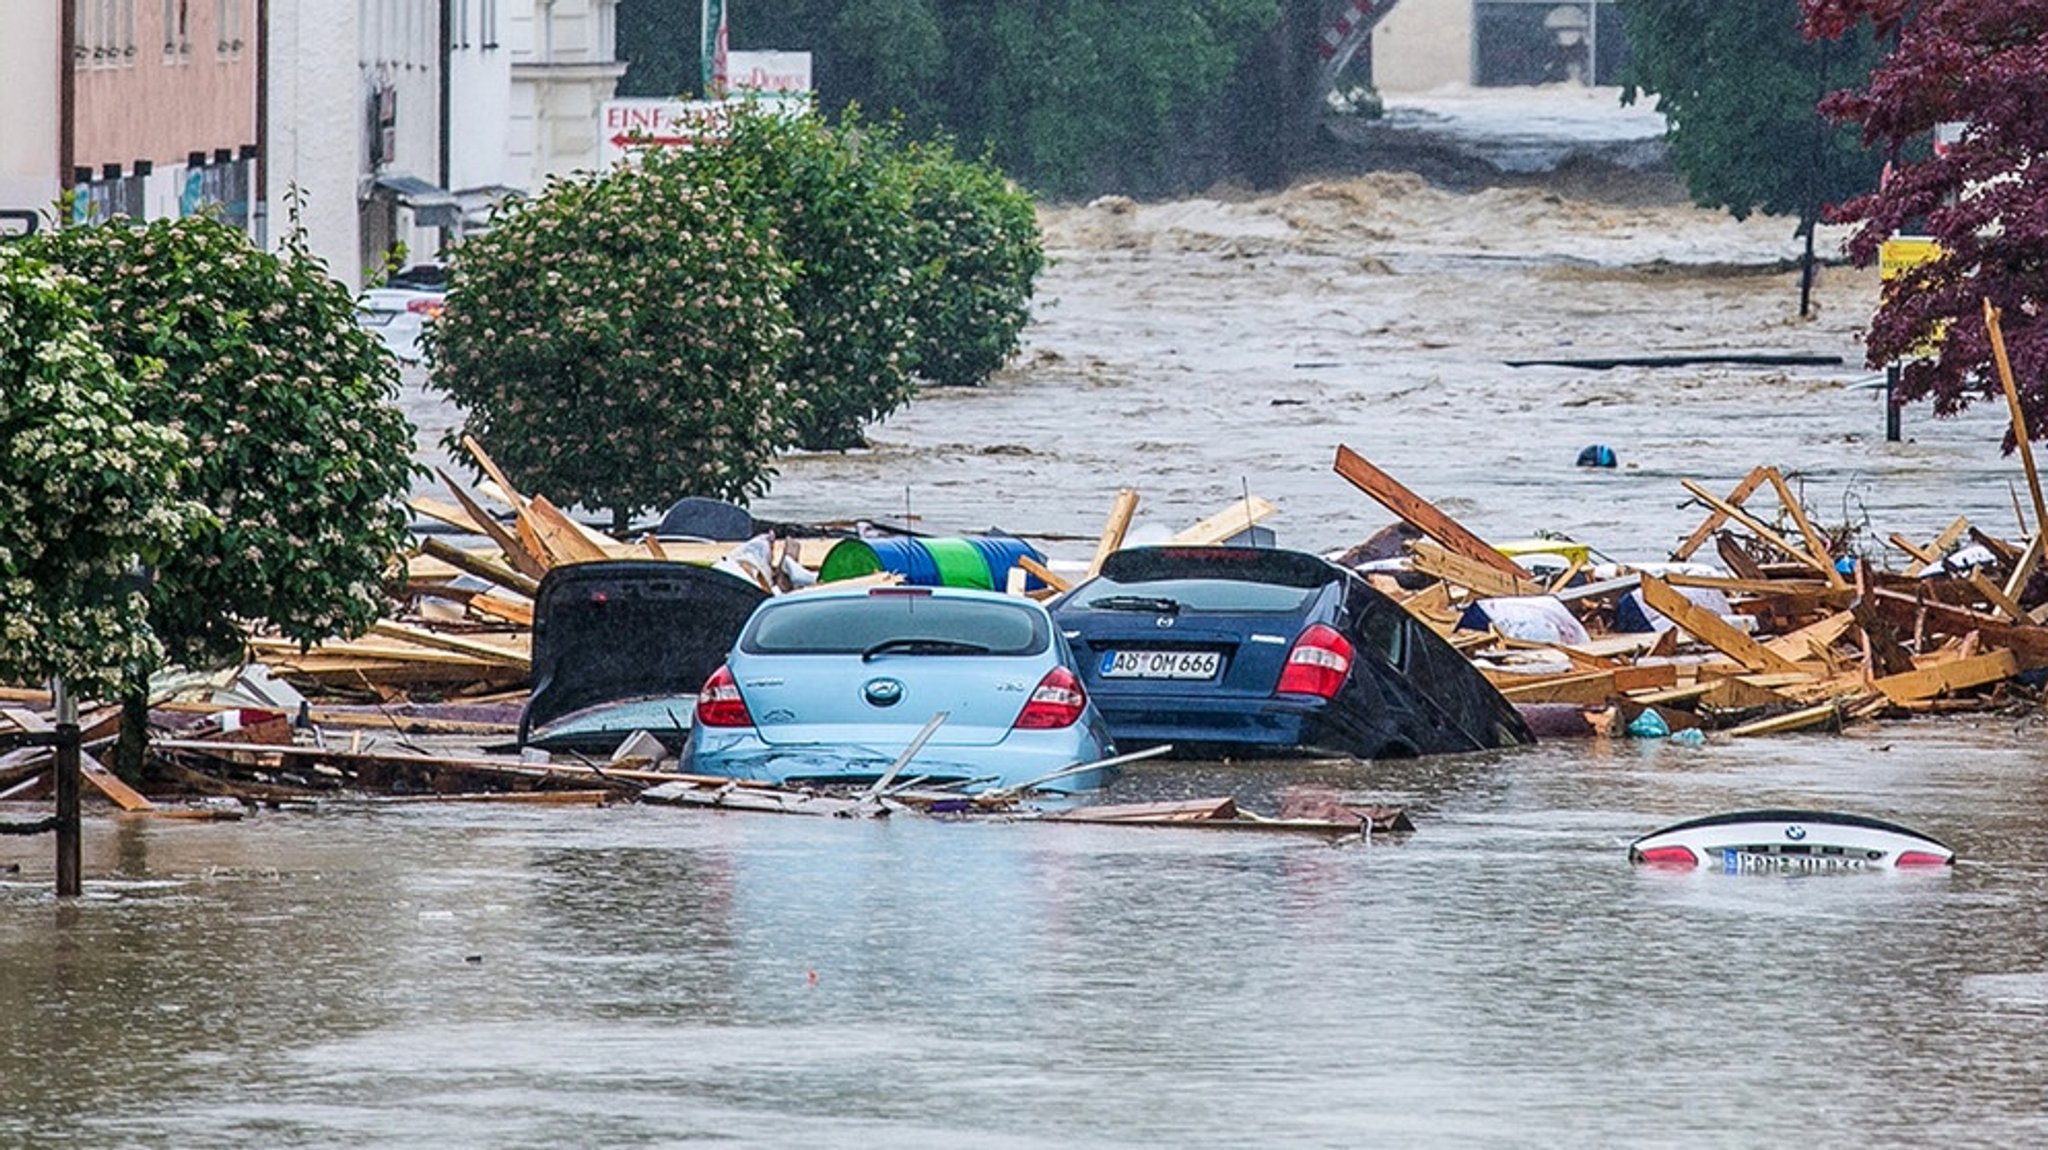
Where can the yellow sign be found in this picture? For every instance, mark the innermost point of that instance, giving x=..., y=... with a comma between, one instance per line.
x=1895, y=258
x=1901, y=253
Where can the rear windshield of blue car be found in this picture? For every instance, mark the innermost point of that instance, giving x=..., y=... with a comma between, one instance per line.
x=800, y=626
x=1228, y=595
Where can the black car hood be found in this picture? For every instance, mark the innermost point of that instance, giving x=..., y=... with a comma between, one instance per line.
x=627, y=629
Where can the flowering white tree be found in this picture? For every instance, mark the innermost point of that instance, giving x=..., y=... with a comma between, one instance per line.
x=86, y=491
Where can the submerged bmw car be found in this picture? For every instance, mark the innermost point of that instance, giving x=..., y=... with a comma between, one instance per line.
x=833, y=685
x=1254, y=652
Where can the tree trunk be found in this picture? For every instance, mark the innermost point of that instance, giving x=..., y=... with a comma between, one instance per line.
x=128, y=750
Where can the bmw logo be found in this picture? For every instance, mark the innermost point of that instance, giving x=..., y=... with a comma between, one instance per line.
x=882, y=692
x=1795, y=832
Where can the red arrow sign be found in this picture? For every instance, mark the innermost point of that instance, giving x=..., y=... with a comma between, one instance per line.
x=643, y=140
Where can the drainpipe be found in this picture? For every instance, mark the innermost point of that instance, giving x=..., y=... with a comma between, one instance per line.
x=67, y=95
x=259, y=207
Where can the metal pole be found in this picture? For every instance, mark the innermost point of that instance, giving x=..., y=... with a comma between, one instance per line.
x=1891, y=406
x=68, y=855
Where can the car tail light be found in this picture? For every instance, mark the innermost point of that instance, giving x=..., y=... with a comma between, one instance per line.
x=719, y=703
x=1920, y=858
x=1058, y=702
x=1668, y=856
x=1317, y=664
x=426, y=307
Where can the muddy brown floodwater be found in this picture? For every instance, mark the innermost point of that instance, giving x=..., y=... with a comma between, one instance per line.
x=460, y=976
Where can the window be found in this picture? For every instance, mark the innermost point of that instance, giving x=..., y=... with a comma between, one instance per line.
x=1547, y=41
x=177, y=28
x=911, y=623
x=229, y=43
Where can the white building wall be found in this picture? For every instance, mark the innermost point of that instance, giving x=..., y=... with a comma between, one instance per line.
x=480, y=98
x=400, y=50
x=564, y=67
x=29, y=180
x=1423, y=45
x=316, y=140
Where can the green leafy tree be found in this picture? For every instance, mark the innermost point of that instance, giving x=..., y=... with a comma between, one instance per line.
x=978, y=252
x=835, y=196
x=1739, y=85
x=86, y=491
x=619, y=341
x=289, y=409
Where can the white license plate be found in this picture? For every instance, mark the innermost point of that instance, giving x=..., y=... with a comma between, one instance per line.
x=1161, y=664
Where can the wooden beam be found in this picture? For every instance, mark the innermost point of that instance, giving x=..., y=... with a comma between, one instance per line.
x=2019, y=420
x=1758, y=529
x=561, y=540
x=516, y=553
x=1815, y=545
x=479, y=566
x=1815, y=716
x=1799, y=645
x=1232, y=521
x=1489, y=582
x=489, y=467
x=1422, y=515
x=2000, y=600
x=1715, y=518
x=110, y=785
x=1113, y=531
x=2023, y=570
x=1944, y=678
x=1710, y=628
x=1921, y=559
x=1046, y=575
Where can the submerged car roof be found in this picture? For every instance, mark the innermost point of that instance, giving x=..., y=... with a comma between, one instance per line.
x=1249, y=564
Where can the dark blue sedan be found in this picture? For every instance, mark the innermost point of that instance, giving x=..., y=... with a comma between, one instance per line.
x=1244, y=652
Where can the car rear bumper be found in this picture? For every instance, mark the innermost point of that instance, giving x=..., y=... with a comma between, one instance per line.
x=787, y=764
x=1205, y=726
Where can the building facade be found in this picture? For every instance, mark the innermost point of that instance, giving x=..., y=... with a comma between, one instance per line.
x=565, y=65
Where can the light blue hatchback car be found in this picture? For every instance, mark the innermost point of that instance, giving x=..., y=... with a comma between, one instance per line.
x=832, y=686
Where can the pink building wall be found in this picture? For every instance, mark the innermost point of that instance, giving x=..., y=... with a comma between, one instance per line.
x=157, y=105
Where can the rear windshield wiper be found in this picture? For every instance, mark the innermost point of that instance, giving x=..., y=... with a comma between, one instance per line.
x=1157, y=603
x=925, y=647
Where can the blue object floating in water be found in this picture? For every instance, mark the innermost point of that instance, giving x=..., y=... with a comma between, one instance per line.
x=1598, y=455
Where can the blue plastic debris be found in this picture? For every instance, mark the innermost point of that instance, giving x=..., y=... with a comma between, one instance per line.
x=1598, y=455
x=1648, y=725
x=1690, y=737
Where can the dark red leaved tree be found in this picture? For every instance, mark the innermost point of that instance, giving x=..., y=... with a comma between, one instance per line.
x=1980, y=69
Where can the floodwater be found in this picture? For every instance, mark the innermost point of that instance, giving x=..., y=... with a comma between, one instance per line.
x=506, y=977
x=641, y=976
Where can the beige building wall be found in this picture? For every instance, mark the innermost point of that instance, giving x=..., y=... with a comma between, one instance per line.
x=1423, y=45
x=29, y=180
x=160, y=79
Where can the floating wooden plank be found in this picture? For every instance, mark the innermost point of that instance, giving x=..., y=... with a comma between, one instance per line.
x=1947, y=678
x=1936, y=550
x=1172, y=810
x=1423, y=515
x=1730, y=586
x=1113, y=531
x=1821, y=714
x=1735, y=558
x=1737, y=694
x=1759, y=529
x=1484, y=578
x=1228, y=523
x=1710, y=628
x=1922, y=559
x=1593, y=687
x=1715, y=518
x=1815, y=545
x=110, y=785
